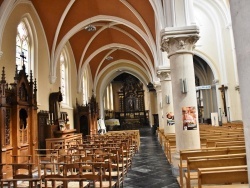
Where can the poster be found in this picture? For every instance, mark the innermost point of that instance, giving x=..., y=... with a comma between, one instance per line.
x=170, y=119
x=189, y=118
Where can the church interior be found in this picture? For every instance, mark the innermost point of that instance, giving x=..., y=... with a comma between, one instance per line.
x=77, y=72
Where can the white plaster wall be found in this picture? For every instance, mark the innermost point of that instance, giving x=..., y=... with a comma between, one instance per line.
x=217, y=48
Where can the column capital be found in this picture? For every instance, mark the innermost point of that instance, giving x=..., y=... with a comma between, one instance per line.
x=164, y=74
x=52, y=79
x=157, y=86
x=179, y=40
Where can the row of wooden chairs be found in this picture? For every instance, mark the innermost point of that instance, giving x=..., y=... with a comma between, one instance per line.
x=75, y=162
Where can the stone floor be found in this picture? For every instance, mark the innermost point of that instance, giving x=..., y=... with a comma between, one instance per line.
x=150, y=168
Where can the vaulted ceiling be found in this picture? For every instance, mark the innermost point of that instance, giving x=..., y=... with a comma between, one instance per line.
x=125, y=30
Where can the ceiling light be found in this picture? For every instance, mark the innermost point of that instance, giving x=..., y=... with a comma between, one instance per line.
x=109, y=58
x=90, y=28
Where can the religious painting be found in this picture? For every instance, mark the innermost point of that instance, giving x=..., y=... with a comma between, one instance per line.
x=189, y=118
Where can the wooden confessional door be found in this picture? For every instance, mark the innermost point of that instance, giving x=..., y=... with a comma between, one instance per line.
x=84, y=125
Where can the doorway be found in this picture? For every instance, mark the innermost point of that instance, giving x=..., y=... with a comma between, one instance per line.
x=84, y=125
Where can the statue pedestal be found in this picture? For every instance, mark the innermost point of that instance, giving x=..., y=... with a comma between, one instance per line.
x=65, y=133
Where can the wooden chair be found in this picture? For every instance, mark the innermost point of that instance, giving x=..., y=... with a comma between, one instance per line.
x=72, y=177
x=101, y=180
x=117, y=173
x=51, y=175
x=23, y=173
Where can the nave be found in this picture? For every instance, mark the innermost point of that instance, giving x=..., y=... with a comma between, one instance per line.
x=150, y=168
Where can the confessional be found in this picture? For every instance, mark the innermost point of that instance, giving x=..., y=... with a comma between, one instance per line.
x=86, y=117
x=18, y=119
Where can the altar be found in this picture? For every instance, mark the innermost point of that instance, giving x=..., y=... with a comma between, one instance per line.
x=112, y=124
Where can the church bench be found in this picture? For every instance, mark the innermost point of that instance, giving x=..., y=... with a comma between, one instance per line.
x=193, y=163
x=170, y=145
x=210, y=142
x=184, y=154
x=223, y=177
x=231, y=143
x=161, y=135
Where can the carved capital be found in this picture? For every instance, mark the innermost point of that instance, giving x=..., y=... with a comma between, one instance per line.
x=164, y=75
x=157, y=86
x=52, y=79
x=179, y=40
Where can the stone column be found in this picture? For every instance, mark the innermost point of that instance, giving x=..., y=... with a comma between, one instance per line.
x=167, y=102
x=152, y=110
x=240, y=14
x=179, y=43
x=159, y=104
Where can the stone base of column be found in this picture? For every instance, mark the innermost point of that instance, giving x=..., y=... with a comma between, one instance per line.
x=175, y=161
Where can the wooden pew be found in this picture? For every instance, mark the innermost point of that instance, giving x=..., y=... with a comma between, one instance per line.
x=170, y=145
x=232, y=140
x=184, y=154
x=231, y=143
x=193, y=163
x=223, y=176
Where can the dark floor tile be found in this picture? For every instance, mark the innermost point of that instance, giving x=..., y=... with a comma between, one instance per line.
x=150, y=168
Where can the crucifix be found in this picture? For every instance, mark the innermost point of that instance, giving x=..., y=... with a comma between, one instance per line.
x=223, y=96
x=23, y=57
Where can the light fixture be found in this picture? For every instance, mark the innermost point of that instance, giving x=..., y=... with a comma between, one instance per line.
x=167, y=99
x=109, y=58
x=90, y=28
x=183, y=85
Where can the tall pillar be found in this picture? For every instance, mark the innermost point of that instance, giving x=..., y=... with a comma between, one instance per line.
x=152, y=102
x=159, y=104
x=167, y=102
x=152, y=107
x=179, y=43
x=240, y=20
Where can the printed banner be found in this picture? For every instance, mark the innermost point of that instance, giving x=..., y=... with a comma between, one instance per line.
x=189, y=118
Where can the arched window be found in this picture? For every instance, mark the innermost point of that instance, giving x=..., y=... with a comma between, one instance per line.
x=23, y=47
x=64, y=77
